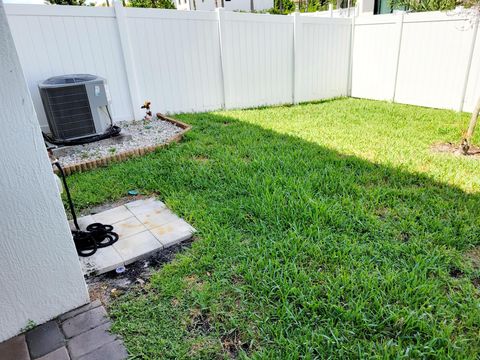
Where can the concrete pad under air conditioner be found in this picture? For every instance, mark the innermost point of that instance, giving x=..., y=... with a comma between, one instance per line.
x=144, y=227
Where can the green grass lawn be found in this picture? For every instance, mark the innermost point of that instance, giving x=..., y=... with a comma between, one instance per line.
x=325, y=230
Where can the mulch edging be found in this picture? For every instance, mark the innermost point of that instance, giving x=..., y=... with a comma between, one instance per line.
x=92, y=164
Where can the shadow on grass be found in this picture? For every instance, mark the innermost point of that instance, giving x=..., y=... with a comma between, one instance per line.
x=304, y=252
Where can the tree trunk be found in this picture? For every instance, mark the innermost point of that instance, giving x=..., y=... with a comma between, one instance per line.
x=466, y=142
x=252, y=7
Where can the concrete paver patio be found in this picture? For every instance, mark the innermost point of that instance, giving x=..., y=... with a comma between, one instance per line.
x=144, y=226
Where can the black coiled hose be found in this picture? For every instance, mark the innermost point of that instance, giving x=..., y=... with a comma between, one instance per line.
x=96, y=236
x=113, y=130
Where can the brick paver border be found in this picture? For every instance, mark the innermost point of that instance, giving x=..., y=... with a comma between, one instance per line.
x=122, y=156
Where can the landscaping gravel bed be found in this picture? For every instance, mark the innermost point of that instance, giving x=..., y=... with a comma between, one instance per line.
x=135, y=135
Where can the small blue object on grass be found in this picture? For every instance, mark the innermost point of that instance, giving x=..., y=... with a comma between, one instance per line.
x=133, y=192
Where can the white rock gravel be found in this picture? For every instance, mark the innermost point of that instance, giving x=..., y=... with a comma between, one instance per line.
x=155, y=132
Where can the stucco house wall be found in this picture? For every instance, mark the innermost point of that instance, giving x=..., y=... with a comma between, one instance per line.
x=40, y=274
x=183, y=4
x=205, y=4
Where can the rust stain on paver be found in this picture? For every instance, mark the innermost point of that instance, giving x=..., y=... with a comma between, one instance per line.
x=128, y=225
x=163, y=229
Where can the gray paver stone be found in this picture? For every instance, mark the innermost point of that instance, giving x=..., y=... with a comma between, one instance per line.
x=88, y=341
x=79, y=310
x=84, y=322
x=112, y=351
x=44, y=339
x=59, y=354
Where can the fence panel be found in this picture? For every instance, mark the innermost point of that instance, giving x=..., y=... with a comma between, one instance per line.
x=374, y=57
x=257, y=58
x=416, y=58
x=473, y=87
x=57, y=40
x=177, y=58
x=261, y=5
x=433, y=60
x=323, y=57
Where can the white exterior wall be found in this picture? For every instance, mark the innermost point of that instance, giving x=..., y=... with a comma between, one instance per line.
x=205, y=4
x=244, y=5
x=230, y=5
x=183, y=4
x=366, y=7
x=40, y=272
x=260, y=5
x=340, y=13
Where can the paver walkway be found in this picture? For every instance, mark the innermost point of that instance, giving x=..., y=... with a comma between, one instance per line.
x=81, y=334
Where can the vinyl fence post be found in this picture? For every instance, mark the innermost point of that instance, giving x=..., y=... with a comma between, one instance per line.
x=397, y=57
x=296, y=50
x=220, y=14
x=350, y=58
x=121, y=18
x=469, y=65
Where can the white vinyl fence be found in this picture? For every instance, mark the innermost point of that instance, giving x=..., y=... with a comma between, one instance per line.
x=192, y=61
x=176, y=59
x=427, y=59
x=322, y=66
x=184, y=61
x=257, y=59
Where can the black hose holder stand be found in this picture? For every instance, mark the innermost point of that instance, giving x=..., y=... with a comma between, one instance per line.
x=96, y=235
